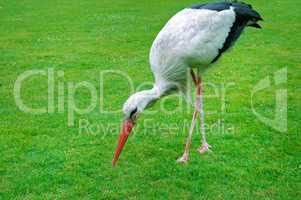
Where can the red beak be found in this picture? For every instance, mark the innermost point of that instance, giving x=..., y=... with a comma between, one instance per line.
x=124, y=134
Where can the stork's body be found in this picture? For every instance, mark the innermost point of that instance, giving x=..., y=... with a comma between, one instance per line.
x=194, y=38
x=191, y=39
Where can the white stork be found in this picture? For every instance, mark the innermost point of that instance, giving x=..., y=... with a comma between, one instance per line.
x=193, y=39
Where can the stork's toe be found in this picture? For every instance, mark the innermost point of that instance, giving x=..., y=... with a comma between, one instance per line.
x=183, y=159
x=204, y=148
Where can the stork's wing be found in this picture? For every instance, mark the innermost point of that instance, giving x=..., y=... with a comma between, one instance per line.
x=196, y=37
x=244, y=16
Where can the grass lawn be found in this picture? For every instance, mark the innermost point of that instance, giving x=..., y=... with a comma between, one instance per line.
x=41, y=157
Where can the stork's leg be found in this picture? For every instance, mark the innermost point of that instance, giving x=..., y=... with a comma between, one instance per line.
x=185, y=156
x=205, y=146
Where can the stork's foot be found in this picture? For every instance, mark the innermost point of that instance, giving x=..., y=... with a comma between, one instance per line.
x=183, y=159
x=204, y=148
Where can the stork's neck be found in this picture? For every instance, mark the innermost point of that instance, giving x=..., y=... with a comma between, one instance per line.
x=155, y=92
x=152, y=94
x=147, y=97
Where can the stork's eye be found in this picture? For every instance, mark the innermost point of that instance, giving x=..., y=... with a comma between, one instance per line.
x=133, y=113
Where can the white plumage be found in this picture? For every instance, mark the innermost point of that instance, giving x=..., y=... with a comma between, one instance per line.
x=192, y=39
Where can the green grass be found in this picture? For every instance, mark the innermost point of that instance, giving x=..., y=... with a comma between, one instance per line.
x=42, y=158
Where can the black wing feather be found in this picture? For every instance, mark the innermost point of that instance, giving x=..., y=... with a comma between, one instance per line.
x=245, y=16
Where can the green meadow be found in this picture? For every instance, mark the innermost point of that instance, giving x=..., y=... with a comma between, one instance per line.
x=101, y=47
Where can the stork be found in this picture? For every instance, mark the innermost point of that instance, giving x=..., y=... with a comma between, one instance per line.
x=192, y=40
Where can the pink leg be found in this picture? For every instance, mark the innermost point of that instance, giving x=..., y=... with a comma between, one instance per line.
x=198, y=109
x=205, y=146
x=185, y=156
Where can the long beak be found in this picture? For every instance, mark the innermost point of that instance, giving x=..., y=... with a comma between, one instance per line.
x=124, y=134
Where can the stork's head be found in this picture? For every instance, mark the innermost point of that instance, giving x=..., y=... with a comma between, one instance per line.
x=136, y=103
x=131, y=109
